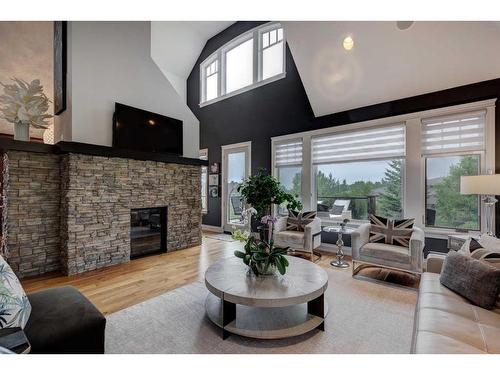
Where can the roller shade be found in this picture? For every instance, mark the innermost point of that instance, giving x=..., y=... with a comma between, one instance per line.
x=457, y=133
x=288, y=153
x=371, y=143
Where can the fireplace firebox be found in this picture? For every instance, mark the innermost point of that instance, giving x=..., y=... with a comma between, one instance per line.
x=148, y=231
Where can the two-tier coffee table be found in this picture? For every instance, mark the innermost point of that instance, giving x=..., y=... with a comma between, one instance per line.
x=266, y=307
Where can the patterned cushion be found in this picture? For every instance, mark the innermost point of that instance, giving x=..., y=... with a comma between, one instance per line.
x=391, y=232
x=15, y=307
x=298, y=220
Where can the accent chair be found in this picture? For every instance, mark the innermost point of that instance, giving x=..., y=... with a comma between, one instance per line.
x=305, y=241
x=366, y=253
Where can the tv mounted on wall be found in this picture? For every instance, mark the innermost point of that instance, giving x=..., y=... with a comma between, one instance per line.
x=136, y=129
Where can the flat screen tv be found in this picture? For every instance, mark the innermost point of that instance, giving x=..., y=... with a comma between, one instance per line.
x=136, y=129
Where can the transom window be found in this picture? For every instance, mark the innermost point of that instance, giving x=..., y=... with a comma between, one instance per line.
x=212, y=74
x=250, y=60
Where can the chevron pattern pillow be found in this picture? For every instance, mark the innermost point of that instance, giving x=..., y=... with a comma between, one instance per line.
x=391, y=232
x=15, y=308
x=298, y=220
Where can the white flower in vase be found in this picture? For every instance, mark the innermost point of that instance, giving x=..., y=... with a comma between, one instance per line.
x=24, y=104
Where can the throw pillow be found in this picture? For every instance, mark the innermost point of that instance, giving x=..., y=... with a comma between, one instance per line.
x=465, y=248
x=298, y=220
x=473, y=279
x=15, y=308
x=391, y=232
x=337, y=210
x=470, y=246
x=490, y=243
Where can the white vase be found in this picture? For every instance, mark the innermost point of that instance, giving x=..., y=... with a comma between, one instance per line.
x=22, y=131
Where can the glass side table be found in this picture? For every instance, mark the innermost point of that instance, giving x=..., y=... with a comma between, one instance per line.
x=339, y=262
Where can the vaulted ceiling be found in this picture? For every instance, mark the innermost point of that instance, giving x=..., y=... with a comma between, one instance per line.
x=176, y=45
x=387, y=63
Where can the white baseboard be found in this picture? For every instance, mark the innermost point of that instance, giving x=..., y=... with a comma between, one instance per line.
x=211, y=228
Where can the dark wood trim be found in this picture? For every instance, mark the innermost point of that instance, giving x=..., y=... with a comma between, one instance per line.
x=60, y=65
x=113, y=152
x=7, y=144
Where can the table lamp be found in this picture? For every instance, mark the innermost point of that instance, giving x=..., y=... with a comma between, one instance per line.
x=487, y=185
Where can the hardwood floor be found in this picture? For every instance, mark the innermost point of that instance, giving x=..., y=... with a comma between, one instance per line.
x=118, y=287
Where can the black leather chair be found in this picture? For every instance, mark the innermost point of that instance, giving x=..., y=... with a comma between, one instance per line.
x=64, y=321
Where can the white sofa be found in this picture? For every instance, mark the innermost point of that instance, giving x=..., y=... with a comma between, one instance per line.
x=448, y=323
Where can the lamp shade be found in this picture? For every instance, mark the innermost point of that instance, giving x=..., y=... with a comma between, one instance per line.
x=487, y=184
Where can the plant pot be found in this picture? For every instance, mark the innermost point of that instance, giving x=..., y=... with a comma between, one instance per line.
x=271, y=270
x=22, y=132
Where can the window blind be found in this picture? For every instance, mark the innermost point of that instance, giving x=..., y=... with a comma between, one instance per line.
x=371, y=143
x=288, y=153
x=457, y=133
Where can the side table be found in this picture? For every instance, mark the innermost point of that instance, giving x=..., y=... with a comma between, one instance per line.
x=339, y=262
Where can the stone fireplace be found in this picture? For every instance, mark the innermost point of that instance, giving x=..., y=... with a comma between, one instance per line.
x=70, y=208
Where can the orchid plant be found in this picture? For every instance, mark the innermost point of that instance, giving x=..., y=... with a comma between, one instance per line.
x=262, y=256
x=25, y=103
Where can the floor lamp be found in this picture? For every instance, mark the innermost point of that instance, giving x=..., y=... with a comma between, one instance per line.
x=487, y=185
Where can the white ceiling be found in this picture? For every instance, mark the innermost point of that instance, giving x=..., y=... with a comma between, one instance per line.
x=386, y=63
x=176, y=45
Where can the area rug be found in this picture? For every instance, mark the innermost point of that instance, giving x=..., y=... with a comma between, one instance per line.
x=363, y=317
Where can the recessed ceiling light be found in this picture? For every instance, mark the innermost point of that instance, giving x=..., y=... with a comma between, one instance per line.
x=348, y=43
x=151, y=122
x=404, y=25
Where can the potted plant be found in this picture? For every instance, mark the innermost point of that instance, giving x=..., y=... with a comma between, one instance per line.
x=24, y=105
x=262, y=257
x=261, y=191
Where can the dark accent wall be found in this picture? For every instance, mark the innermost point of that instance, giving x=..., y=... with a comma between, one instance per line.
x=282, y=107
x=257, y=115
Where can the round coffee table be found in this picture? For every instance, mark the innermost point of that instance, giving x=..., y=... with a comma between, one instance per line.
x=266, y=307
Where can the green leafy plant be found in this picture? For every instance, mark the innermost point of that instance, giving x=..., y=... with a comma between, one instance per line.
x=261, y=191
x=260, y=256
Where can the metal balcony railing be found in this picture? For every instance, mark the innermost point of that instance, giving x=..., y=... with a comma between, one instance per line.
x=360, y=206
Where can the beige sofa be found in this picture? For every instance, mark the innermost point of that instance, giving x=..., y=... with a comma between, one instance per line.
x=447, y=323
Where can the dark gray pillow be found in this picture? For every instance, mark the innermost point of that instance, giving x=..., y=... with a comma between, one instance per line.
x=337, y=210
x=473, y=279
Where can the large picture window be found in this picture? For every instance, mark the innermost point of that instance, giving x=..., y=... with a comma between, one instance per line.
x=445, y=207
x=453, y=146
x=359, y=172
x=248, y=61
x=406, y=166
x=357, y=189
x=288, y=164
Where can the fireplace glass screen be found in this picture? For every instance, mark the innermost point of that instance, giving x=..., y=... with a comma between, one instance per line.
x=147, y=231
